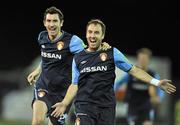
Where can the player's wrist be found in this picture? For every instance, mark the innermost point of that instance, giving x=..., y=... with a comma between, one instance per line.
x=65, y=103
x=155, y=82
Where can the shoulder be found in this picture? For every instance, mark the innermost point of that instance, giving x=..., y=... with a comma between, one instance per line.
x=66, y=34
x=76, y=40
x=116, y=51
x=108, y=52
x=42, y=36
x=78, y=55
x=73, y=40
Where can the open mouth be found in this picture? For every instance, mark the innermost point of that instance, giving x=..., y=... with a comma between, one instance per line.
x=92, y=41
x=52, y=29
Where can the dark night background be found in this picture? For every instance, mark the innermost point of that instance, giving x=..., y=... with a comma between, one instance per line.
x=130, y=25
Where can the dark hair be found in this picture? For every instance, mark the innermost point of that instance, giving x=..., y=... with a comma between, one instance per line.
x=54, y=10
x=97, y=21
x=145, y=51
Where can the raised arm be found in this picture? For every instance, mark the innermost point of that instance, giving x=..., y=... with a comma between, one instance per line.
x=144, y=76
x=122, y=63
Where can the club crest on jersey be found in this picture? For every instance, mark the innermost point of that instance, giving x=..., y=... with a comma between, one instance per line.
x=60, y=45
x=41, y=93
x=103, y=56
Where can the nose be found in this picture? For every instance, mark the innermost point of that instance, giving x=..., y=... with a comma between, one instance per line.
x=51, y=24
x=92, y=35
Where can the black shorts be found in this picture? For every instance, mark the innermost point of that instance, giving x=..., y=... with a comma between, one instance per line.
x=141, y=113
x=50, y=100
x=94, y=115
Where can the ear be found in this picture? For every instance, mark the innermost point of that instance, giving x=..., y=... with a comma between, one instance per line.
x=86, y=33
x=44, y=22
x=103, y=36
x=62, y=22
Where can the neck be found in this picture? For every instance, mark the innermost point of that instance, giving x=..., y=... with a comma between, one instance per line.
x=94, y=49
x=54, y=38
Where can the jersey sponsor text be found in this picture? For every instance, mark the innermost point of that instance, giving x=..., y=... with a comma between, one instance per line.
x=51, y=55
x=94, y=69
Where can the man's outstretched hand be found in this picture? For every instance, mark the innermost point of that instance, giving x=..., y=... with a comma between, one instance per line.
x=167, y=86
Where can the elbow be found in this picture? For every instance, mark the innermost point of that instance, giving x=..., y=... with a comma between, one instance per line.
x=133, y=71
x=74, y=88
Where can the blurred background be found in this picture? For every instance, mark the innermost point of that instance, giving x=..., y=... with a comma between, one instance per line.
x=131, y=25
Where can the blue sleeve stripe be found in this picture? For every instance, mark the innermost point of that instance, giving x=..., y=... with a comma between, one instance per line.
x=121, y=61
x=76, y=44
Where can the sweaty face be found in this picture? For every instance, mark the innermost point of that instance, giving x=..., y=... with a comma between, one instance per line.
x=94, y=36
x=143, y=60
x=53, y=25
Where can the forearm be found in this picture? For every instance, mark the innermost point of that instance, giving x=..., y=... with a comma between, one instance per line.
x=140, y=74
x=70, y=94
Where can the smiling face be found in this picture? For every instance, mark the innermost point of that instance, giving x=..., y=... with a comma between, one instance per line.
x=94, y=36
x=53, y=25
